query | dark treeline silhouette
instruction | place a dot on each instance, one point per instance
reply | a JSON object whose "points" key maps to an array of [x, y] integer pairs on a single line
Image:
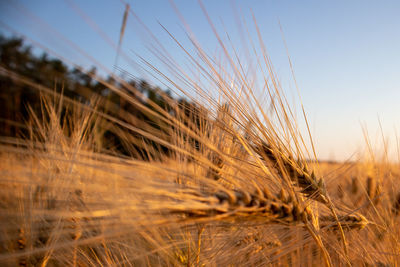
{"points": [[17, 98]]}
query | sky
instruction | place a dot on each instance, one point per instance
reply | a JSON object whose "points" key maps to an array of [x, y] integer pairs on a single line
{"points": [[345, 54]]}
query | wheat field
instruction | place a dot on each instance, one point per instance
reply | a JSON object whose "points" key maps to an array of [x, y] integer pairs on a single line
{"points": [[239, 185]]}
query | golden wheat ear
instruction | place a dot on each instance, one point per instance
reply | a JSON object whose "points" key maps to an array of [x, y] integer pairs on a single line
{"points": [[248, 207], [310, 186], [347, 222]]}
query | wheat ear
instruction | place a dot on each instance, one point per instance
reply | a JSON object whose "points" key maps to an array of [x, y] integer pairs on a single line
{"points": [[311, 186]]}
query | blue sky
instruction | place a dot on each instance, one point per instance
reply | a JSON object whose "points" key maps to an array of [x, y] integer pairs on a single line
{"points": [[345, 54]]}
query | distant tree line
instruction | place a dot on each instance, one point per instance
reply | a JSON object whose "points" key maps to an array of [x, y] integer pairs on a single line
{"points": [[16, 97]]}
